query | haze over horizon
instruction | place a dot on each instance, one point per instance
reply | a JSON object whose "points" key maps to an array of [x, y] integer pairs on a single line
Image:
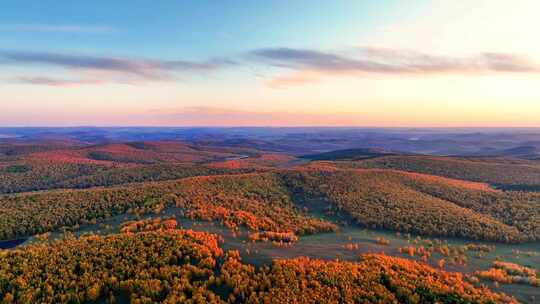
{"points": [[285, 63]]}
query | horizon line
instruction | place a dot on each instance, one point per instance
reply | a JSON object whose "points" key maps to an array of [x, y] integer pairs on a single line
{"points": [[269, 127]]}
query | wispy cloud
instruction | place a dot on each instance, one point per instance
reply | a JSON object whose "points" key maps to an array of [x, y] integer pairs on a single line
{"points": [[119, 69], [141, 67], [55, 82], [301, 66], [56, 28], [313, 64]]}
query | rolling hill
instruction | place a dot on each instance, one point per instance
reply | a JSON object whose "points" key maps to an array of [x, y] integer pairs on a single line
{"points": [[273, 201]]}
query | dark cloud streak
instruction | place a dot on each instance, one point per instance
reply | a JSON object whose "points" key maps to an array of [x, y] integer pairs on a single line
{"points": [[145, 68], [389, 61]]}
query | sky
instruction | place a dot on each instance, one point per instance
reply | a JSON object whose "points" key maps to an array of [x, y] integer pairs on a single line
{"points": [[384, 63]]}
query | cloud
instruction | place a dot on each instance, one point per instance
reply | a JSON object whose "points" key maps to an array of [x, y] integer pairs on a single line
{"points": [[141, 67], [310, 65], [114, 69], [302, 66], [55, 28], [510, 63], [55, 82]]}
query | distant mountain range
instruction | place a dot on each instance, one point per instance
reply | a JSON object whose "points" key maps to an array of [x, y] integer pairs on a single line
{"points": [[521, 143]]}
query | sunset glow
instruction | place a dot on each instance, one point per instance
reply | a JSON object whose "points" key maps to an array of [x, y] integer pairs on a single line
{"points": [[287, 63]]}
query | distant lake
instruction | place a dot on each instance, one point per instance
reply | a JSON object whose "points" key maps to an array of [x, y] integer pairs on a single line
{"points": [[236, 157], [11, 243], [8, 136]]}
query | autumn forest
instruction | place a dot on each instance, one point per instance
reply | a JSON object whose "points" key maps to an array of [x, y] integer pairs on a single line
{"points": [[201, 221]]}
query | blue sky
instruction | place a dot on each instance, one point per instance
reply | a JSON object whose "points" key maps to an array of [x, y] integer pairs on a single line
{"points": [[193, 29], [354, 63]]}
